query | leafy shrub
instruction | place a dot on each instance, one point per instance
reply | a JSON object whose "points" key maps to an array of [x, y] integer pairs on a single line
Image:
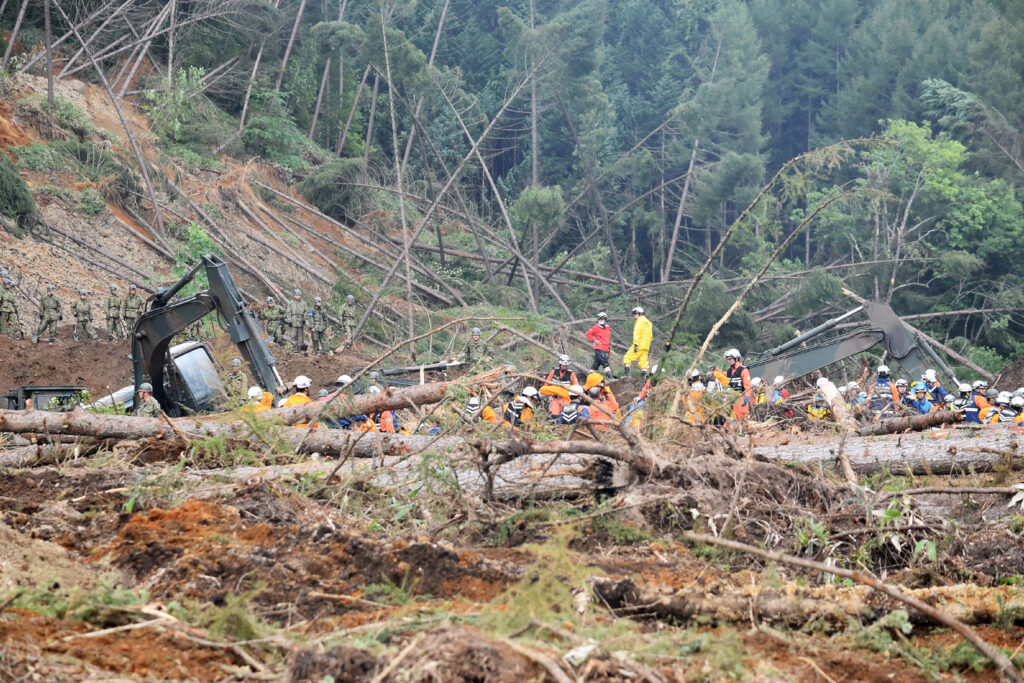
{"points": [[15, 200], [37, 157], [69, 116], [271, 134], [91, 202], [331, 189], [117, 182]]}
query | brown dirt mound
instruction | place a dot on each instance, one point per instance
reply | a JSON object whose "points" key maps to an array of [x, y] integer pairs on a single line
{"points": [[99, 366], [205, 551], [1012, 375]]}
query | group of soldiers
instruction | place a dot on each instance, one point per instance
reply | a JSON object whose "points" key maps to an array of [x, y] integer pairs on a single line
{"points": [[120, 313], [288, 325]]}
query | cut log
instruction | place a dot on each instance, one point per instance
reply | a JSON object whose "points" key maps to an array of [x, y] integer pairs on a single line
{"points": [[915, 423]]}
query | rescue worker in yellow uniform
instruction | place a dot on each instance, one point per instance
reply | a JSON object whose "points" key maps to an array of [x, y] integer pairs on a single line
{"points": [[643, 333]]}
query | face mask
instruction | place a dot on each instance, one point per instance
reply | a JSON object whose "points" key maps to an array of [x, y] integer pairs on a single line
{"points": [[602, 324]]}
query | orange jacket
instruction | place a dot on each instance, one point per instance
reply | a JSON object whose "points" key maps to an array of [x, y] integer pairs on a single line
{"points": [[605, 409]]}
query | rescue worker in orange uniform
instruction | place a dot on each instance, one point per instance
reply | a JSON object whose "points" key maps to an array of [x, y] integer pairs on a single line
{"points": [[739, 380], [604, 406], [560, 377]]}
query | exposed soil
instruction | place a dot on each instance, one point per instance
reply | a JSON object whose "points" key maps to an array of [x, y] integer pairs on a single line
{"points": [[1012, 375]]}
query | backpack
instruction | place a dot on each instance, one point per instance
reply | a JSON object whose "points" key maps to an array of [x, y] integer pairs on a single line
{"points": [[513, 413]]}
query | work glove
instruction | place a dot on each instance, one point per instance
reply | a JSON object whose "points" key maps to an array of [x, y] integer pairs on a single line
{"points": [[635, 349]]}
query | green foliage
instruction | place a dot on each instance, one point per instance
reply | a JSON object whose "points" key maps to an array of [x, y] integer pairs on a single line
{"points": [[176, 106], [271, 134], [15, 199], [37, 157], [817, 291], [96, 606], [90, 202], [64, 113], [332, 188]]}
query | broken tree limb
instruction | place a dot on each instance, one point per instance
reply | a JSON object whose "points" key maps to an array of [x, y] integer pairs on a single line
{"points": [[993, 654], [894, 425]]}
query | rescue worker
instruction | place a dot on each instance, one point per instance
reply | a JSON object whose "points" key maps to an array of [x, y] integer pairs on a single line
{"points": [[49, 315], [9, 310], [301, 394], [235, 381], [936, 392], [475, 352], [1017, 404], [575, 408], [693, 403], [564, 378], [474, 412], [1006, 411], [990, 415], [818, 408], [882, 396], [82, 310], [112, 308], [342, 382], [604, 405], [348, 316], [920, 401], [318, 329], [976, 403], [960, 404], [643, 333], [273, 321], [134, 306], [780, 394], [901, 389], [148, 406], [295, 317], [756, 391], [519, 411], [258, 400], [600, 335], [739, 380]]}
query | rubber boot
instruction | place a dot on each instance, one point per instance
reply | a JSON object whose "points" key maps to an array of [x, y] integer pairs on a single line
{"points": [[625, 371]]}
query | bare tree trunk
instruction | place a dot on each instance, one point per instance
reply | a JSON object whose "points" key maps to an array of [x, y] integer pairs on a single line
{"points": [[170, 45], [369, 124], [157, 218], [110, 17], [291, 44], [14, 33], [157, 23], [401, 192], [670, 256], [352, 110], [320, 98], [912, 423], [49, 51]]}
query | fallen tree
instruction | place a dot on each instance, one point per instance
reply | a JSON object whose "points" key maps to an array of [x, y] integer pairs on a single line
{"points": [[916, 423]]}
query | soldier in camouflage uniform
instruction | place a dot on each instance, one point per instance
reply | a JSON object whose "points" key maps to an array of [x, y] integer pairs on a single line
{"points": [[148, 406], [49, 314], [318, 329], [476, 352], [295, 317], [9, 310], [349, 317], [273, 321], [82, 310], [235, 383], [112, 307], [134, 306]]}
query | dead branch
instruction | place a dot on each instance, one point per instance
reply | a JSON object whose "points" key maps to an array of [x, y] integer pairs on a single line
{"points": [[894, 425]]}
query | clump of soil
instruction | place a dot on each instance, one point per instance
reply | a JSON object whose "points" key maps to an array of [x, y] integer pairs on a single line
{"points": [[1012, 375], [26, 562]]}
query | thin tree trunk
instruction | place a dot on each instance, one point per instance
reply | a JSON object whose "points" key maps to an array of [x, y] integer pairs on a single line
{"points": [[157, 218], [14, 34], [49, 51], [401, 192], [352, 110], [291, 44], [170, 45], [110, 17], [369, 124], [670, 256], [320, 98], [157, 23]]}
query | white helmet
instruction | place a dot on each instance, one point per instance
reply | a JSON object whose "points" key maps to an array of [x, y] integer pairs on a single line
{"points": [[732, 353], [639, 310], [1004, 398], [756, 382], [779, 379], [883, 370], [344, 380], [980, 384], [530, 392], [576, 390], [373, 389], [601, 315], [929, 375], [852, 385], [693, 375], [1017, 402], [254, 392], [822, 381], [564, 360], [964, 388], [302, 382]]}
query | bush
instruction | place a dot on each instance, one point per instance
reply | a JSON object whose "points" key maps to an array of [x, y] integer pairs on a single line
{"points": [[271, 134], [331, 190], [69, 116], [37, 157], [91, 202], [15, 200]]}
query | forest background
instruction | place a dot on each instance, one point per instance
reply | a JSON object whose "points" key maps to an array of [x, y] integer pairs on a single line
{"points": [[561, 157]]}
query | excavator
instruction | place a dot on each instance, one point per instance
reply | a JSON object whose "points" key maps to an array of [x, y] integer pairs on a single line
{"points": [[185, 377], [803, 355]]}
